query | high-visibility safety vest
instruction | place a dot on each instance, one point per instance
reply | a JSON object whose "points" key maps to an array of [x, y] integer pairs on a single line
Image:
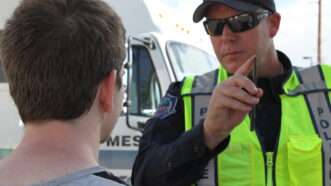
{"points": [[302, 156]]}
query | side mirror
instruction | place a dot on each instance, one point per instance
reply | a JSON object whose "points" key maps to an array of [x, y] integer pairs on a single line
{"points": [[128, 67], [138, 67]]}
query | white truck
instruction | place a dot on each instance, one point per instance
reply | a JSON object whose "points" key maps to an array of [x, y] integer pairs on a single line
{"points": [[154, 60]]}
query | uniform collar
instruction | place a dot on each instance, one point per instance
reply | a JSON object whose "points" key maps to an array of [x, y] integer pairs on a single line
{"points": [[276, 82]]}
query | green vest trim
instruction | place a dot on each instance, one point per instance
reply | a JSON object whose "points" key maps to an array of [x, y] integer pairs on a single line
{"points": [[186, 89], [319, 107], [327, 75]]}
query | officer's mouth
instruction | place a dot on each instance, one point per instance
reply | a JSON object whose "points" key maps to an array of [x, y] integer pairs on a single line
{"points": [[231, 54]]}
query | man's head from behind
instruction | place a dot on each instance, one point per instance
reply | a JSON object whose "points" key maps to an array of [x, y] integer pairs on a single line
{"points": [[56, 53], [239, 28]]}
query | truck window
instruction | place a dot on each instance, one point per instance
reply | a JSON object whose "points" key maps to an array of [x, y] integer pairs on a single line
{"points": [[189, 60], [145, 92]]}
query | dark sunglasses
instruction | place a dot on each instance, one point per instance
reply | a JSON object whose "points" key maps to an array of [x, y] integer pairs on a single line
{"points": [[238, 23]]}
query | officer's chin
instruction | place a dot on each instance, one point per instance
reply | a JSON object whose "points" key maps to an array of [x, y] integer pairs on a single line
{"points": [[231, 67]]}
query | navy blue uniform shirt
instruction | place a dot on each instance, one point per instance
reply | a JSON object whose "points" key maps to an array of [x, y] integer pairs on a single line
{"points": [[169, 156]]}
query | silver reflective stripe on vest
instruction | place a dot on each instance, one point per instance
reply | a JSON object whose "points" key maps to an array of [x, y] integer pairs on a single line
{"points": [[321, 115], [201, 92], [200, 105], [209, 177], [205, 84], [309, 88]]}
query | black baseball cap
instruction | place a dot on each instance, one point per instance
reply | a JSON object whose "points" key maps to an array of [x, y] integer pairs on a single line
{"points": [[241, 5]]}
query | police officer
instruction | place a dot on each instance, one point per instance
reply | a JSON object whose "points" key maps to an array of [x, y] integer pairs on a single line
{"points": [[201, 133]]}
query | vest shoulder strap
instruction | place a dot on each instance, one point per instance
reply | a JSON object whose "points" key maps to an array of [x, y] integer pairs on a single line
{"points": [[204, 84], [312, 80], [314, 88]]}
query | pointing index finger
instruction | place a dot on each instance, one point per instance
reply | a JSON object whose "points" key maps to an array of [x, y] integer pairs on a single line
{"points": [[246, 68]]}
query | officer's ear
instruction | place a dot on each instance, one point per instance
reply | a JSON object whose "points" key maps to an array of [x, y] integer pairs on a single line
{"points": [[274, 24]]}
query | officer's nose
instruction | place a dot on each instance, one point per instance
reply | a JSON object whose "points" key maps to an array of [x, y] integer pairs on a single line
{"points": [[227, 33]]}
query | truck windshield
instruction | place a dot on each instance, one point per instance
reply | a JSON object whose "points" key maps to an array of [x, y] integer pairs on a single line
{"points": [[189, 60]]}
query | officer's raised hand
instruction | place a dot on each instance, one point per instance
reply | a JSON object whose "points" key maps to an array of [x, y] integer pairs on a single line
{"points": [[230, 102]]}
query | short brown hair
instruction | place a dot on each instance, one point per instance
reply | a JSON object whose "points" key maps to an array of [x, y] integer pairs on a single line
{"points": [[55, 54]]}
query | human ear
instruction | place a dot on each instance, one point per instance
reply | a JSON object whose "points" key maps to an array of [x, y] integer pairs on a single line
{"points": [[107, 91], [274, 24]]}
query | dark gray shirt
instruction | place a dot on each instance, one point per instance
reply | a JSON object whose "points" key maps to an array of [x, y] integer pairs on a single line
{"points": [[88, 177]]}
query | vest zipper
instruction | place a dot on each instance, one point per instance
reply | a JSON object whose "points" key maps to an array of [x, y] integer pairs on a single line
{"points": [[275, 151], [269, 158], [268, 161], [270, 164]]}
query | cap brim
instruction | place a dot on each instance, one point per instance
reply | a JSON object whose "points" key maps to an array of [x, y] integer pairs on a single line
{"points": [[200, 11]]}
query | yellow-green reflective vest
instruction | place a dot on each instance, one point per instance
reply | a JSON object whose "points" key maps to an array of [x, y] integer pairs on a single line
{"points": [[298, 160]]}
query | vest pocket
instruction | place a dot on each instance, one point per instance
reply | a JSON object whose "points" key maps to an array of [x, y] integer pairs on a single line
{"points": [[237, 166], [305, 160]]}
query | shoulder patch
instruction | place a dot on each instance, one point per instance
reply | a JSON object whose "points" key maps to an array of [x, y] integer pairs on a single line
{"points": [[166, 107]]}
